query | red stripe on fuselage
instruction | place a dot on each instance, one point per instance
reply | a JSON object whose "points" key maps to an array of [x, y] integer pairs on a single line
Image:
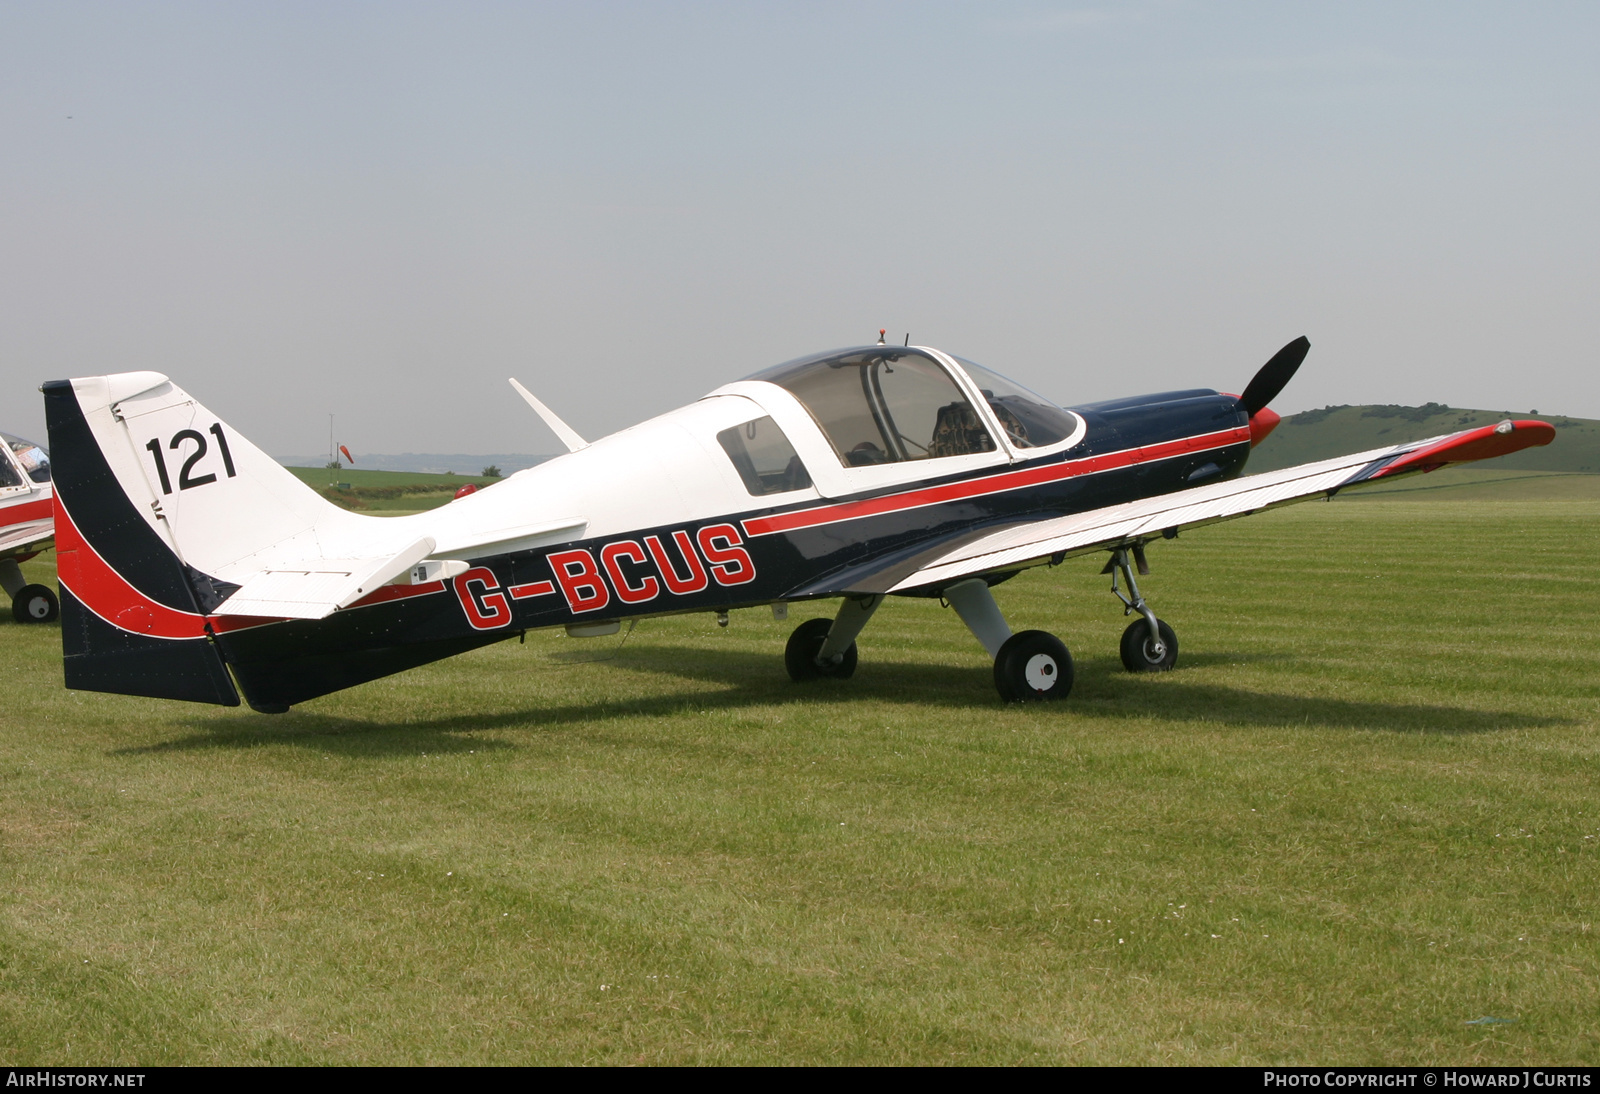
{"points": [[37, 509], [223, 624], [385, 593], [992, 484]]}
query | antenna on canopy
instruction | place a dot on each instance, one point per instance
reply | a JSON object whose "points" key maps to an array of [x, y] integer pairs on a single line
{"points": [[908, 339], [881, 333]]}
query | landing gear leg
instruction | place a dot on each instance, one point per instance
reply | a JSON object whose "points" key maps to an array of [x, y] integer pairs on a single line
{"points": [[1148, 645], [819, 648], [1028, 665]]}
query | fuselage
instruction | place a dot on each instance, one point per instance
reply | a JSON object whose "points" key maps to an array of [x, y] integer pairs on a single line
{"points": [[671, 527], [831, 475]]}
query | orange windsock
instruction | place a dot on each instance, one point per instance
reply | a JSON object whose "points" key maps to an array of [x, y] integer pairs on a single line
{"points": [[347, 455]]}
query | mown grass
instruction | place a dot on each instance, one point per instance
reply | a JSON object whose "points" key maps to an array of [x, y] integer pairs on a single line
{"points": [[1361, 816], [360, 479], [386, 493]]}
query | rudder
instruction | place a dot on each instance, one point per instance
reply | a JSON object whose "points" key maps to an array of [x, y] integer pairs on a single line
{"points": [[131, 611]]}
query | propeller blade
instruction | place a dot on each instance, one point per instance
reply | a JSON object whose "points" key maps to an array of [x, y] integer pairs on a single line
{"points": [[1275, 375]]}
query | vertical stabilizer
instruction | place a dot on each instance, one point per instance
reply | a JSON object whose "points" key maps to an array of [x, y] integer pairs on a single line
{"points": [[131, 611]]}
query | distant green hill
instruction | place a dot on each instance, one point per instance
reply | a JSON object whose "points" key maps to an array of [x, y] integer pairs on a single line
{"points": [[1339, 430]]}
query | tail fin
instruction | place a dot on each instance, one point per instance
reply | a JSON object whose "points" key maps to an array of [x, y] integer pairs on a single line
{"points": [[132, 617], [162, 511]]}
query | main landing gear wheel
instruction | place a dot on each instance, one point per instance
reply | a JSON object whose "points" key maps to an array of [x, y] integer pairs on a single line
{"points": [[1033, 665], [35, 604], [800, 655], [1139, 653]]}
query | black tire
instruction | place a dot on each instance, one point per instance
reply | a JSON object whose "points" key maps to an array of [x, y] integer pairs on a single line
{"points": [[800, 655], [35, 604], [1138, 653], [1033, 665]]}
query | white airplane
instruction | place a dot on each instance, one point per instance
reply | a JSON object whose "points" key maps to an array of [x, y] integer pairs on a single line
{"points": [[194, 567], [26, 526]]}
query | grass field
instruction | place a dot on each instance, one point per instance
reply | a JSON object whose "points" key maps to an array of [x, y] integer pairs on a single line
{"points": [[1457, 484], [386, 493], [1361, 817]]}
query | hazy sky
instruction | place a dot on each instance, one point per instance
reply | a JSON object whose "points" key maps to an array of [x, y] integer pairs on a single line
{"points": [[382, 210]]}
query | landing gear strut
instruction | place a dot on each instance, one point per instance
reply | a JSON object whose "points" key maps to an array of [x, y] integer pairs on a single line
{"points": [[1148, 645], [1029, 665]]}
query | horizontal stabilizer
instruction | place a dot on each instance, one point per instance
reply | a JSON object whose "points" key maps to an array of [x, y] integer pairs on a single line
{"points": [[316, 588]]}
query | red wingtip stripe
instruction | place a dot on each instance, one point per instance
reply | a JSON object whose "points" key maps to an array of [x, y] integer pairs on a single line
{"points": [[1482, 443]]}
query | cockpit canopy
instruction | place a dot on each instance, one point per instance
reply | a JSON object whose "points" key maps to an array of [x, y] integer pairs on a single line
{"points": [[1030, 420], [883, 405], [888, 404], [33, 461]]}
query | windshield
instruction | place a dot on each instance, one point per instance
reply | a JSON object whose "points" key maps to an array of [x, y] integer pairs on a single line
{"points": [[1030, 420], [883, 405], [35, 461]]}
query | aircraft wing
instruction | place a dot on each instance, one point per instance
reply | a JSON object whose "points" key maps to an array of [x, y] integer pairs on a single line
{"points": [[1019, 546], [31, 535]]}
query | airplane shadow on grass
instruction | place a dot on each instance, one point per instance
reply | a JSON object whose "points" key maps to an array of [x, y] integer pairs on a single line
{"points": [[1102, 690]]}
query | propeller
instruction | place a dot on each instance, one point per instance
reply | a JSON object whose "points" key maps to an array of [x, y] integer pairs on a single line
{"points": [[1275, 375]]}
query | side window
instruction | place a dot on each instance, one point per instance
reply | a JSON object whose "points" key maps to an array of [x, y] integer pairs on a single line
{"points": [[764, 458], [35, 461], [884, 406], [9, 478]]}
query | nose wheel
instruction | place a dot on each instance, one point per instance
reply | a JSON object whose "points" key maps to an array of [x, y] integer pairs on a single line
{"points": [[1141, 653], [1148, 645]]}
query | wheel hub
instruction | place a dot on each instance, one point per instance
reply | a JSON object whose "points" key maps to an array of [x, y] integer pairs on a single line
{"points": [[1040, 672]]}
